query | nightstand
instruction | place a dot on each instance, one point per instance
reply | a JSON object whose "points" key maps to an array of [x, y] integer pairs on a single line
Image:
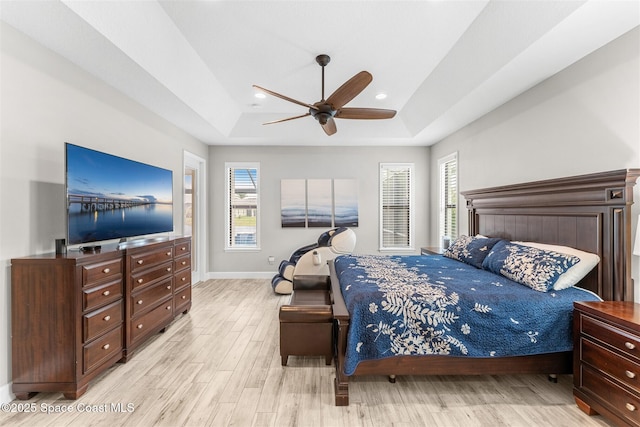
{"points": [[431, 250], [606, 360]]}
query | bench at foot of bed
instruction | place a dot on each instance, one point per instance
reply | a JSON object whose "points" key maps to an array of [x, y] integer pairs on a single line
{"points": [[306, 323]]}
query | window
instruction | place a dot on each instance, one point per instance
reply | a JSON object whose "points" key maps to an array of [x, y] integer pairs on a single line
{"points": [[448, 196], [243, 205], [396, 206]]}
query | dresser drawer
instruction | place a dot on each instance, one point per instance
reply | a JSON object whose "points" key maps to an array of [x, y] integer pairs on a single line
{"points": [[182, 263], [143, 278], [183, 248], [100, 295], [183, 278], [104, 348], [625, 342], [624, 370], [94, 274], [98, 321], [149, 297], [617, 399], [149, 322], [140, 261], [182, 298]]}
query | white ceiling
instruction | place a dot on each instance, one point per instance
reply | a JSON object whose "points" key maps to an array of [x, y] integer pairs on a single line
{"points": [[442, 63]]}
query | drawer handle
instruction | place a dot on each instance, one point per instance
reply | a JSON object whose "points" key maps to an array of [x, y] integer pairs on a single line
{"points": [[140, 302], [630, 407], [140, 280], [168, 268], [139, 326], [169, 253], [106, 318], [140, 261], [168, 307], [106, 347], [106, 270], [169, 287], [183, 279], [630, 374], [106, 293], [630, 345], [184, 262], [184, 248], [184, 297]]}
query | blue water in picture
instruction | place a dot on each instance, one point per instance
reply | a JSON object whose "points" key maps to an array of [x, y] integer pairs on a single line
{"points": [[293, 216], [117, 223]]}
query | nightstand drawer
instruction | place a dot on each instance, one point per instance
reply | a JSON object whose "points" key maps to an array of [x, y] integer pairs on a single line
{"points": [[624, 370], [617, 338], [617, 399]]}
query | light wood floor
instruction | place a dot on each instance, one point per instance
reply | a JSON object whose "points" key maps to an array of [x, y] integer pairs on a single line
{"points": [[220, 365]]}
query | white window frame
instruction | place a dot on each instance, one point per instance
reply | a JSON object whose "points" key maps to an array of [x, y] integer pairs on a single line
{"points": [[410, 241], [228, 246], [442, 185]]}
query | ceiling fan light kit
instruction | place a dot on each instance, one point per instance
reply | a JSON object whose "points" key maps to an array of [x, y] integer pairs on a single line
{"points": [[324, 111]]}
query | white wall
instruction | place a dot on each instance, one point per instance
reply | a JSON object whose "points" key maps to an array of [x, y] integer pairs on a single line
{"points": [[47, 101], [583, 120], [277, 163]]}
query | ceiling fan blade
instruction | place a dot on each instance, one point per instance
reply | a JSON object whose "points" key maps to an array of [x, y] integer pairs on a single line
{"points": [[364, 113], [286, 98], [330, 127], [287, 119], [349, 90]]}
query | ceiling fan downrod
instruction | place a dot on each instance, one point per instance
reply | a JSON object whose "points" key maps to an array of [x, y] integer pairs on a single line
{"points": [[323, 60]]}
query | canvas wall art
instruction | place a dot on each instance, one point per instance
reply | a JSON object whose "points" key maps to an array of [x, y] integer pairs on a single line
{"points": [[319, 203]]}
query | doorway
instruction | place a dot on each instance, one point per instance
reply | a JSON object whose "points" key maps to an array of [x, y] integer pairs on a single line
{"points": [[193, 221]]}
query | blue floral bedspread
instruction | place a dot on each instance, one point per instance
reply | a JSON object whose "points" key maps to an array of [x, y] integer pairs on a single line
{"points": [[421, 305]]}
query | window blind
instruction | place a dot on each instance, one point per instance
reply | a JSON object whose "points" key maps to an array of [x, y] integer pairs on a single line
{"points": [[396, 206], [449, 196], [242, 198]]}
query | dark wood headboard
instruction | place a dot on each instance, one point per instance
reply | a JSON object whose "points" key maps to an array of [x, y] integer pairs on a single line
{"points": [[588, 212]]}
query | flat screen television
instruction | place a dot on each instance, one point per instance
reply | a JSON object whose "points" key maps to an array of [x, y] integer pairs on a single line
{"points": [[110, 197]]}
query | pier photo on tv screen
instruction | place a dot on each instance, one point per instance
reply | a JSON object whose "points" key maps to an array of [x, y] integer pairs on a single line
{"points": [[110, 197]]}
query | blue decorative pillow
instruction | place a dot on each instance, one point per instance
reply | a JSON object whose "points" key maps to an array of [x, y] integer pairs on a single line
{"points": [[536, 268], [471, 250]]}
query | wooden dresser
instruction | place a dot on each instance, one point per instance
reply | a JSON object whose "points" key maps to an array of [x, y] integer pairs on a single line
{"points": [[75, 315], [607, 360]]}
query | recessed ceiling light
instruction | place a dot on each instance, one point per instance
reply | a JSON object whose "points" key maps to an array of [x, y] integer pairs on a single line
{"points": [[381, 96], [260, 95]]}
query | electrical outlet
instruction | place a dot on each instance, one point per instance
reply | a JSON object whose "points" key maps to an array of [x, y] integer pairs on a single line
{"points": [[272, 259]]}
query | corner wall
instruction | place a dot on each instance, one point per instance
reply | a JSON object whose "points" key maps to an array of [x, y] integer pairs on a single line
{"points": [[585, 119], [47, 101]]}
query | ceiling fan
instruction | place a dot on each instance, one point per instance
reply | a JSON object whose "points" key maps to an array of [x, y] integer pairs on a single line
{"points": [[325, 110]]}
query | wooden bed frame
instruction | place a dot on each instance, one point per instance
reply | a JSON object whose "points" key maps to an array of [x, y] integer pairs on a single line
{"points": [[588, 212]]}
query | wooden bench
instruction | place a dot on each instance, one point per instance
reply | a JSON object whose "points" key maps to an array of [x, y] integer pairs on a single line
{"points": [[306, 323]]}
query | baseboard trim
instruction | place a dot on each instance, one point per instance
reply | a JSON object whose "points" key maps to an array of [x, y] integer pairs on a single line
{"points": [[5, 393], [240, 275]]}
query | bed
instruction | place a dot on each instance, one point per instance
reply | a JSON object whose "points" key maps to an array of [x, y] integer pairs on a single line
{"points": [[588, 212]]}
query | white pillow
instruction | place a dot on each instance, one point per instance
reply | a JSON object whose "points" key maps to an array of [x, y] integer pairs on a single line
{"points": [[574, 274]]}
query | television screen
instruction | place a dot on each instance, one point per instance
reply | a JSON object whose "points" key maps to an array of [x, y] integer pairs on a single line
{"points": [[109, 197]]}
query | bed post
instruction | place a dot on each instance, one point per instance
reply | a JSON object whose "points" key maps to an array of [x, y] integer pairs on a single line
{"points": [[341, 325]]}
